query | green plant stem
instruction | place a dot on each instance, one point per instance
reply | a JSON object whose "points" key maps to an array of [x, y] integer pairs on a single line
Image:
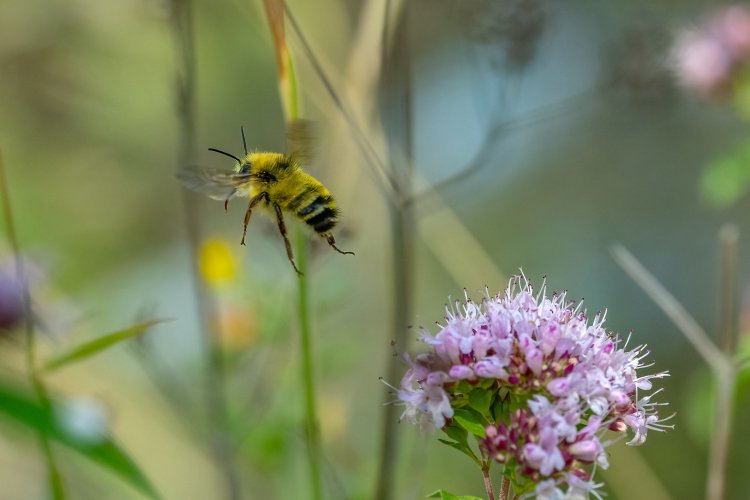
{"points": [[723, 409], [729, 298], [402, 231], [312, 434], [689, 327], [291, 106], [312, 428], [399, 132], [725, 376], [402, 260], [53, 472], [215, 385]]}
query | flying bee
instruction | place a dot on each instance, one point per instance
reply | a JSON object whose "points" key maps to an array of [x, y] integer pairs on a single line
{"points": [[275, 181]]}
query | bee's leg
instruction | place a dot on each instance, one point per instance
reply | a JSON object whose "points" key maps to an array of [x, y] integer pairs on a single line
{"points": [[253, 201], [332, 242], [282, 230], [229, 197]]}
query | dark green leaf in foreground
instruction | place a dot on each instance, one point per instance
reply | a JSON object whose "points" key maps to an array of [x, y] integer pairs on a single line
{"points": [[98, 345], [500, 409], [444, 495], [460, 443], [456, 432], [22, 409], [470, 420], [481, 400], [463, 448]]}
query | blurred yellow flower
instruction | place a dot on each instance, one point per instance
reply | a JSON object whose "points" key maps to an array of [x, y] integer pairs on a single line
{"points": [[217, 261]]}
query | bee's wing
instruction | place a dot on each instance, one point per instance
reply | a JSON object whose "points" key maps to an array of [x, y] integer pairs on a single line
{"points": [[300, 136], [217, 184]]}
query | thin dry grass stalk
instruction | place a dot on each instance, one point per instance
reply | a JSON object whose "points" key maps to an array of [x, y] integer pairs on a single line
{"points": [[722, 364]]}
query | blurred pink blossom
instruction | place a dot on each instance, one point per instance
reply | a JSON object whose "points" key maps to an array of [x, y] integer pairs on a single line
{"points": [[708, 57], [703, 64], [732, 27]]}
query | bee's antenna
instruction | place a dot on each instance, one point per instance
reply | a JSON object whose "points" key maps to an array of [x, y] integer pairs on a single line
{"points": [[225, 153], [244, 143]]}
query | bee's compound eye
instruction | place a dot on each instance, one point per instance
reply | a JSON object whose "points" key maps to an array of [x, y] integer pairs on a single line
{"points": [[245, 168], [266, 176]]}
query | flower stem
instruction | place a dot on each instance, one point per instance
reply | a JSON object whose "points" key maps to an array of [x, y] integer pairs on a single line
{"points": [[488, 481], [689, 327], [504, 489], [729, 298], [308, 375], [215, 375], [398, 129], [725, 385], [726, 374], [290, 102], [53, 473]]}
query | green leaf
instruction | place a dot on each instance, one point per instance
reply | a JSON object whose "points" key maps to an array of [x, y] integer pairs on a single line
{"points": [[470, 420], [463, 448], [517, 402], [463, 387], [457, 433], [480, 400], [450, 496], [98, 345], [500, 409], [24, 410], [727, 178]]}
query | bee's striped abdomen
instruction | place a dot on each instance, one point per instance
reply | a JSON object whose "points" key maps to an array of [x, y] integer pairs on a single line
{"points": [[323, 220], [315, 206], [302, 199]]}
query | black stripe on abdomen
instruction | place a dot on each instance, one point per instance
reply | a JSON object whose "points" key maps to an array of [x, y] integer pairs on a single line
{"points": [[324, 220], [317, 202], [301, 198]]}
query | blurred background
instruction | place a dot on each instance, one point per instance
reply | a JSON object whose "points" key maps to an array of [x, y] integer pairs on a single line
{"points": [[517, 133]]}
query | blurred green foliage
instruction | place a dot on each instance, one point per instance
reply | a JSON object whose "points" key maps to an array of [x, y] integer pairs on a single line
{"points": [[727, 178], [24, 410]]}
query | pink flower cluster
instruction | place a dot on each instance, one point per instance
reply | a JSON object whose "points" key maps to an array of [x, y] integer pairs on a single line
{"points": [[708, 57], [570, 382]]}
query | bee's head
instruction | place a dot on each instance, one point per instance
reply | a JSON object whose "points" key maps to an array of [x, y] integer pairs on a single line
{"points": [[264, 166]]}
